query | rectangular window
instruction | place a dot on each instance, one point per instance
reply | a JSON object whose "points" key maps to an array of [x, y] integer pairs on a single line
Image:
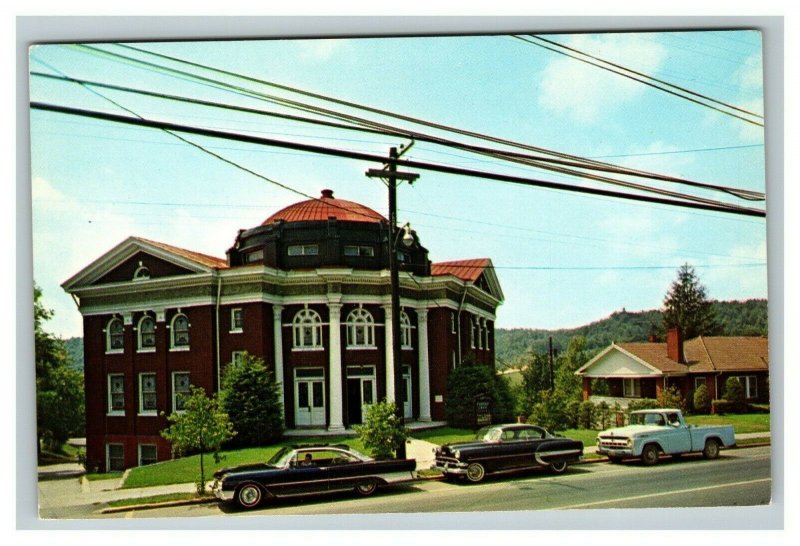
{"points": [[750, 384], [452, 322], [147, 394], [698, 382], [180, 389], [303, 250], [148, 454], [631, 388], [359, 250], [115, 457], [116, 394], [236, 320], [237, 356]]}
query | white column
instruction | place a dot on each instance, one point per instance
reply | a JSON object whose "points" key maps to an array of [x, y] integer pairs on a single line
{"points": [[389, 353], [335, 365], [424, 366], [277, 335]]}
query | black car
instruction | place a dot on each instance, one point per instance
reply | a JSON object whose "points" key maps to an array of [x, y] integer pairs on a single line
{"points": [[503, 448], [309, 470]]}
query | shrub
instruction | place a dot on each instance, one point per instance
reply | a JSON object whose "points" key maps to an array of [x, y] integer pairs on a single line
{"points": [[550, 412], [586, 415], [604, 414], [734, 393], [382, 432], [469, 381], [702, 402], [671, 398], [600, 387], [642, 403]]}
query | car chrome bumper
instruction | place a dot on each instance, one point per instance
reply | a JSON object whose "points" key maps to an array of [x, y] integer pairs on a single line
{"points": [[615, 451], [226, 496], [451, 468]]}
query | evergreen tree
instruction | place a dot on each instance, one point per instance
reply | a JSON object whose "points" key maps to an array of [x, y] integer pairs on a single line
{"points": [[569, 362], [686, 305], [252, 401]]}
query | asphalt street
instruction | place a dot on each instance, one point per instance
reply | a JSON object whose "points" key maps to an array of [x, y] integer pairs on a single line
{"points": [[738, 478]]}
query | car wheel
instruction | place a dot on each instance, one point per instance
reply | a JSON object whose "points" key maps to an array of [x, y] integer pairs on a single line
{"points": [[366, 488], [650, 454], [711, 450], [476, 472], [249, 495], [558, 467]]}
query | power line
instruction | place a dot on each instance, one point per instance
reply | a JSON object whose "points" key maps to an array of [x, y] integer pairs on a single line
{"points": [[640, 77], [719, 207], [559, 165]]}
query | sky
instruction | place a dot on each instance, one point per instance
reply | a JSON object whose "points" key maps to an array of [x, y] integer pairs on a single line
{"points": [[563, 259]]}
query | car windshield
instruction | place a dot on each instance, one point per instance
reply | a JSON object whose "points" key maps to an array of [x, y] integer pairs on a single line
{"points": [[281, 457], [647, 419], [488, 434]]}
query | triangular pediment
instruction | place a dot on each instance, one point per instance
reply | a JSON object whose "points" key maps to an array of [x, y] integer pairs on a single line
{"points": [[137, 259], [616, 362]]}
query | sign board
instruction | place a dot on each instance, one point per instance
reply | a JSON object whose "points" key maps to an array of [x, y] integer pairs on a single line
{"points": [[483, 410]]}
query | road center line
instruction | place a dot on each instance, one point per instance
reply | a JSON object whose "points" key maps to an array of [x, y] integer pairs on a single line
{"points": [[664, 494]]}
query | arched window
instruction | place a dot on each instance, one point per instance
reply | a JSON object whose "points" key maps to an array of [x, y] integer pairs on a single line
{"points": [[179, 332], [115, 336], [360, 328], [146, 334], [405, 331], [307, 330]]}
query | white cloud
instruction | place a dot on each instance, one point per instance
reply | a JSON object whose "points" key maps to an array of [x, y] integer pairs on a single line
{"points": [[584, 92]]}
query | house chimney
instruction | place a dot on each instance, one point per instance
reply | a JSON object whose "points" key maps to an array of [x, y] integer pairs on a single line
{"points": [[675, 345]]}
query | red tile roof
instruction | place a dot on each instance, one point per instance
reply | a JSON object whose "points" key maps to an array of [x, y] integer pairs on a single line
{"points": [[714, 353], [654, 354], [467, 270], [323, 208], [707, 354], [203, 259]]}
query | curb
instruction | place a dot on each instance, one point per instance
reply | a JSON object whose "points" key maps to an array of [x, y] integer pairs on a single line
{"points": [[152, 505]]}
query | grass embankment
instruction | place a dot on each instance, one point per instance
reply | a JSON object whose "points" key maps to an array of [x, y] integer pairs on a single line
{"points": [[187, 469], [153, 500]]}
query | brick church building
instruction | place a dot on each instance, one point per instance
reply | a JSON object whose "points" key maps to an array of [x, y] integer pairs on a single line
{"points": [[308, 291]]}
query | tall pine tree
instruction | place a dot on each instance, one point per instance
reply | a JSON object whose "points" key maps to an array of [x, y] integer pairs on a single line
{"points": [[686, 305]]}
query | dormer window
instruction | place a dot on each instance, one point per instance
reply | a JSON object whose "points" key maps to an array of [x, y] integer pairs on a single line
{"points": [[142, 273]]}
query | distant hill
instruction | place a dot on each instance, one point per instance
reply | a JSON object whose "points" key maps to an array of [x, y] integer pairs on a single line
{"points": [[735, 318], [74, 347]]}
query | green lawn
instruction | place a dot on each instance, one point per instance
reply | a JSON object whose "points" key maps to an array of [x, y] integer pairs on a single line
{"points": [[744, 423], [187, 469]]}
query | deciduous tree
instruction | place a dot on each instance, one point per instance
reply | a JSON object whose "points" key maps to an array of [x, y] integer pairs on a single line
{"points": [[201, 426], [59, 387]]}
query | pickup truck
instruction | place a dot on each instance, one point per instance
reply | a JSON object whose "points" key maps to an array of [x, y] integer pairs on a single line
{"points": [[653, 432]]}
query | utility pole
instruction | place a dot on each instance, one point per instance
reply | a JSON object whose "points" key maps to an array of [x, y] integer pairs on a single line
{"points": [[391, 176]]}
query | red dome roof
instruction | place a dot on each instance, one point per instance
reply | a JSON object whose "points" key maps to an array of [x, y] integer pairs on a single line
{"points": [[323, 208]]}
